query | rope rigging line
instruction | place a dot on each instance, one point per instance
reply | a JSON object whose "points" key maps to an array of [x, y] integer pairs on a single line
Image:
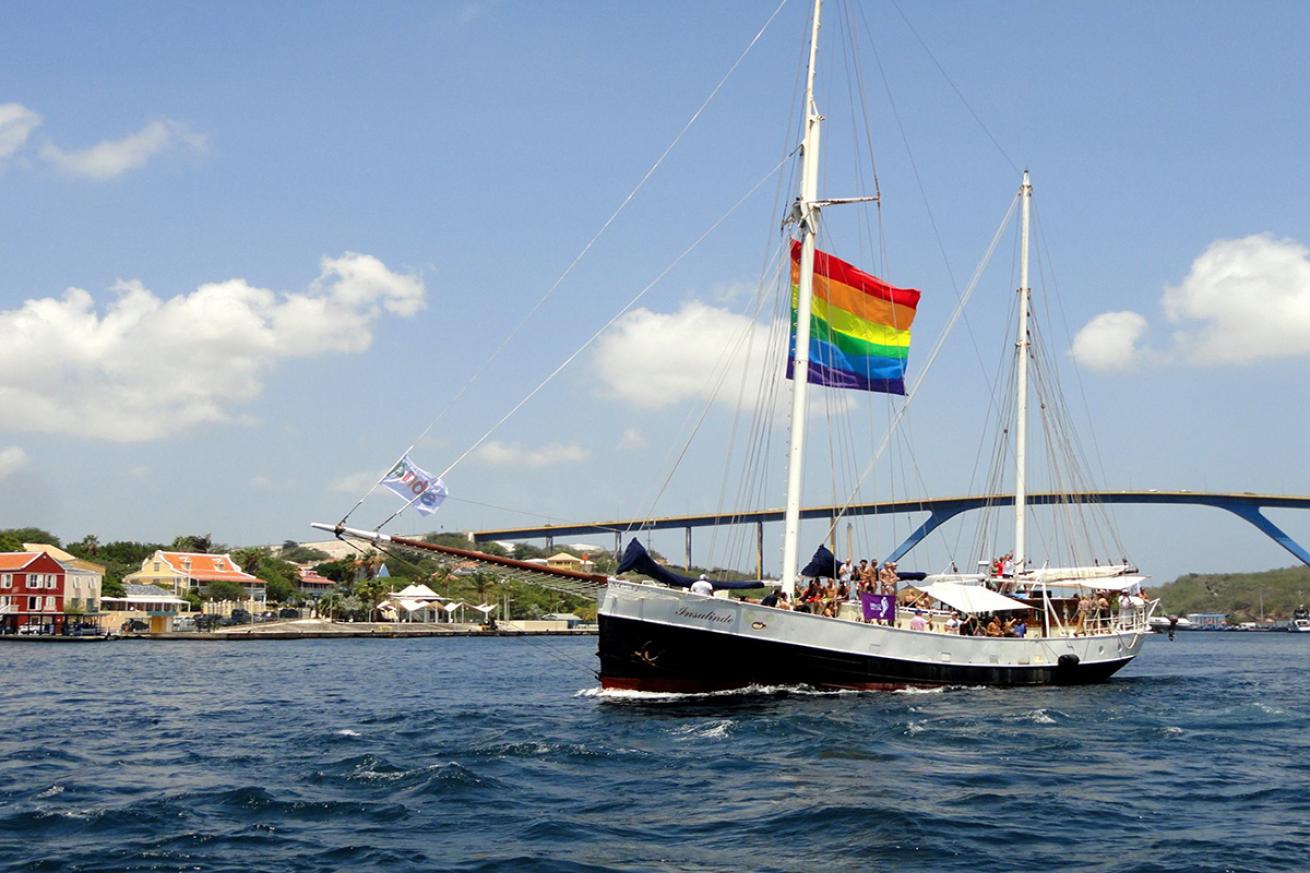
{"points": [[956, 314], [695, 116], [596, 335]]}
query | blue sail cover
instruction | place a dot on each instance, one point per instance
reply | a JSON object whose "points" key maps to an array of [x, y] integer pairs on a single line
{"points": [[822, 566], [637, 559]]}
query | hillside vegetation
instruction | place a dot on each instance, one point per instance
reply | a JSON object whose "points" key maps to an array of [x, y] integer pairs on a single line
{"points": [[1238, 595]]}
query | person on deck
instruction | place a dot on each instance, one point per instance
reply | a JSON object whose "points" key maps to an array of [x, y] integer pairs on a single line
{"points": [[994, 627], [953, 623], [702, 586], [1020, 628], [771, 599], [917, 623], [868, 573]]}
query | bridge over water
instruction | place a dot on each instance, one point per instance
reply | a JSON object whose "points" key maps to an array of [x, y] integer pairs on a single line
{"points": [[1244, 505]]}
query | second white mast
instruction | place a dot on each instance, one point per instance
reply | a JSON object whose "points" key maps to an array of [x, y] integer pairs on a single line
{"points": [[807, 215], [1021, 380]]}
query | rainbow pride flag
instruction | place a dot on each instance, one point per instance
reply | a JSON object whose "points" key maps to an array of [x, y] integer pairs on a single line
{"points": [[859, 326]]}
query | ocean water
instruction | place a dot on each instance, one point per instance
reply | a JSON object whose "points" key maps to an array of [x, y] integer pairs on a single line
{"points": [[499, 754]]}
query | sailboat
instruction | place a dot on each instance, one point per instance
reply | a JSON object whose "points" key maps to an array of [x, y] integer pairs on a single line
{"points": [[1082, 624]]}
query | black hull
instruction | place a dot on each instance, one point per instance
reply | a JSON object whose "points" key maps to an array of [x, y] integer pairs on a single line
{"points": [[647, 656]]}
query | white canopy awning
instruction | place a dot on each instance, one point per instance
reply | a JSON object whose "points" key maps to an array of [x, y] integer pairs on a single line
{"points": [[451, 607], [419, 592], [486, 609], [971, 598]]}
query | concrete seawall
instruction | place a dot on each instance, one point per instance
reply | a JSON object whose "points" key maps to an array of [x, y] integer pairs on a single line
{"points": [[311, 629]]}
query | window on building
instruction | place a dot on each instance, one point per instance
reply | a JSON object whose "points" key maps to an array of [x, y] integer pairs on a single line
{"points": [[34, 604], [49, 604], [6, 580], [156, 566]]}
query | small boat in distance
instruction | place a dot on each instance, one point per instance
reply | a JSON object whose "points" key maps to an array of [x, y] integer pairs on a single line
{"points": [[1300, 620]]}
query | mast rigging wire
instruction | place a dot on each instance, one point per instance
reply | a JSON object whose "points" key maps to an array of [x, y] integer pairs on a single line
{"points": [[695, 116]]}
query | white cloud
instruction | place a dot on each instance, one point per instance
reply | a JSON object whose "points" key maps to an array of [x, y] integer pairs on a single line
{"points": [[515, 455], [1109, 341], [16, 124], [12, 459], [1243, 300], [652, 360], [355, 483], [114, 157], [632, 439], [150, 367]]}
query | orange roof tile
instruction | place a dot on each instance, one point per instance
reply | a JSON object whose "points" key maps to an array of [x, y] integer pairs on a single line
{"points": [[207, 568], [16, 560]]}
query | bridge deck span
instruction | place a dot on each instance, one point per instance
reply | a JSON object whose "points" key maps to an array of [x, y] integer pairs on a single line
{"points": [[1244, 504]]}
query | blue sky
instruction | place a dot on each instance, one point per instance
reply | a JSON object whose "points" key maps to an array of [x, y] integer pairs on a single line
{"points": [[298, 231]]}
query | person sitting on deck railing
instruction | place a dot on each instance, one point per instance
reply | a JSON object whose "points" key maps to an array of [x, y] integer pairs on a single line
{"points": [[808, 600]]}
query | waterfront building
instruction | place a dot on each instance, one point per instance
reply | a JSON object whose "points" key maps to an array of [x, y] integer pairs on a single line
{"points": [[181, 572], [150, 603], [565, 561], [83, 579], [31, 593], [311, 584], [1207, 620]]}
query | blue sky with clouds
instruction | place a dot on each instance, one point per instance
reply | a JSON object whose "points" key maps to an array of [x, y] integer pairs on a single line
{"points": [[249, 252]]}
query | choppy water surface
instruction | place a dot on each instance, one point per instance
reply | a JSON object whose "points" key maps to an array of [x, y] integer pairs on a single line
{"points": [[484, 754]]}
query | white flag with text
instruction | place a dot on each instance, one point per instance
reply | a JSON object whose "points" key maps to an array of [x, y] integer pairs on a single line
{"points": [[416, 485]]}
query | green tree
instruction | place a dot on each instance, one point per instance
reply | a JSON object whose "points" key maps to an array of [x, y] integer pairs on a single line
{"points": [[199, 543], [280, 590], [371, 592], [296, 553], [225, 589], [329, 604], [12, 539]]}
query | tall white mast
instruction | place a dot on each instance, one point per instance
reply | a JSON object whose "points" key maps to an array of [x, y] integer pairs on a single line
{"points": [[1021, 405], [807, 215]]}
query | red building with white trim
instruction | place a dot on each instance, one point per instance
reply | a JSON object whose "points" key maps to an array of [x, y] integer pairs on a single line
{"points": [[31, 593]]}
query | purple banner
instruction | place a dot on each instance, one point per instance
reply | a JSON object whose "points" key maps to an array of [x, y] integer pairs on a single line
{"points": [[879, 607]]}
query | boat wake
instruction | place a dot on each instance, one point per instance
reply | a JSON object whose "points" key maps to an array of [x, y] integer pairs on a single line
{"points": [[625, 695]]}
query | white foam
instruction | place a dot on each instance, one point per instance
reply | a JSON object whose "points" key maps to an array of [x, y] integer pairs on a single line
{"points": [[628, 694], [346, 732]]}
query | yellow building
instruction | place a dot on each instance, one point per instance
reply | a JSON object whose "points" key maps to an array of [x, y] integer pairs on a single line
{"points": [[181, 572]]}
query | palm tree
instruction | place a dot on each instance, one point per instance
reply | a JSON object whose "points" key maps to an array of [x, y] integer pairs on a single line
{"points": [[329, 603], [372, 592], [90, 544]]}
